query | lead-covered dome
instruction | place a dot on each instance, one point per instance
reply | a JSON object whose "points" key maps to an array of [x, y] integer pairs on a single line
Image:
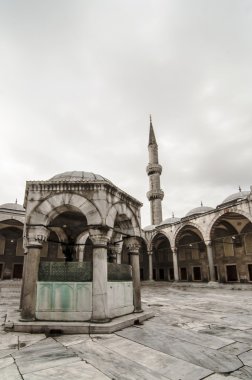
{"points": [[236, 196], [79, 176], [12, 207], [199, 210], [151, 227]]}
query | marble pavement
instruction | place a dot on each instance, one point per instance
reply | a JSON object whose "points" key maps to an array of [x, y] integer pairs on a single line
{"points": [[197, 333]]}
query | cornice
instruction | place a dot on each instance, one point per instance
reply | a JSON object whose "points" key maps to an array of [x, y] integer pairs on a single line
{"points": [[79, 187]]}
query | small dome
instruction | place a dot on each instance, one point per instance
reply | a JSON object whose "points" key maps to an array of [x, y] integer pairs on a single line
{"points": [[78, 176], [199, 210], [149, 228], [12, 206], [169, 221], [236, 196]]}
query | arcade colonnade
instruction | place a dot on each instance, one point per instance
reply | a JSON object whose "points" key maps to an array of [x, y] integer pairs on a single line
{"points": [[211, 246]]}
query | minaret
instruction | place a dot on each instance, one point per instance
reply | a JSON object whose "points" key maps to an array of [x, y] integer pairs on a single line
{"points": [[155, 195]]}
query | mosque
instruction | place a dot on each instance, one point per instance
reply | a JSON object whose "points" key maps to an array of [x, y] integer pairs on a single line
{"points": [[61, 217]]}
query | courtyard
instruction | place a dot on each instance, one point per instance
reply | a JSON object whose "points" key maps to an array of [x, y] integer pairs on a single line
{"points": [[198, 332]]}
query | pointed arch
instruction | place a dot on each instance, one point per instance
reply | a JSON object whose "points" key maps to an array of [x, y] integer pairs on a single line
{"points": [[222, 214], [51, 207], [182, 228], [121, 209]]}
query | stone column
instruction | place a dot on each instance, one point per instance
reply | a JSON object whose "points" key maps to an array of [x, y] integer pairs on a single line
{"points": [[133, 247], [210, 261], [81, 253], [118, 248], [23, 275], [100, 312], [175, 263], [29, 288], [150, 261], [113, 254]]}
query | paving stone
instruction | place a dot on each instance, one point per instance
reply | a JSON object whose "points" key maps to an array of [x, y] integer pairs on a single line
{"points": [[236, 348], [234, 334], [188, 336], [246, 358], [217, 376], [4, 362], [244, 373], [113, 365], [44, 354], [10, 373], [204, 357], [166, 365], [78, 371], [4, 353], [68, 340]]}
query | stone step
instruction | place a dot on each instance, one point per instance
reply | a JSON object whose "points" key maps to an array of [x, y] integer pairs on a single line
{"points": [[10, 296]]}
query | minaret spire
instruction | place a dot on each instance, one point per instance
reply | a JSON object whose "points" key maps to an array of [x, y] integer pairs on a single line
{"points": [[152, 138], [154, 170]]}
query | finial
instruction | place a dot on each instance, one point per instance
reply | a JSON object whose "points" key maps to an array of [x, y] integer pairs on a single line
{"points": [[16, 201], [240, 188], [150, 119], [201, 203], [172, 214]]}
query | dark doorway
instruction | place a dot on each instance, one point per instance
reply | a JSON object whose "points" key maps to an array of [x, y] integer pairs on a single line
{"points": [[183, 274], [196, 273], [216, 273], [1, 270], [154, 274], [250, 271], [231, 273], [17, 271], [141, 274], [161, 274], [171, 274]]}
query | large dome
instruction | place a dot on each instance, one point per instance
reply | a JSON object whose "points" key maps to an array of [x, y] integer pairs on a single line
{"points": [[236, 196], [149, 228], [12, 207], [199, 210], [78, 176]]}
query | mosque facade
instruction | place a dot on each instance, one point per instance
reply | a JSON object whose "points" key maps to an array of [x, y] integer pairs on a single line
{"points": [[62, 214]]}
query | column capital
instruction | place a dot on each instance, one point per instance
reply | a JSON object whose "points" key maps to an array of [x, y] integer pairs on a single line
{"points": [[133, 245], [209, 243], [36, 236], [100, 236]]}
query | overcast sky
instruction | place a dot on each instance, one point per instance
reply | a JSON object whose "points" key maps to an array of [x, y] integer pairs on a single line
{"points": [[79, 78]]}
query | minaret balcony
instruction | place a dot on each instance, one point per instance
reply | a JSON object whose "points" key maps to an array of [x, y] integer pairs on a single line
{"points": [[154, 169], [155, 194]]}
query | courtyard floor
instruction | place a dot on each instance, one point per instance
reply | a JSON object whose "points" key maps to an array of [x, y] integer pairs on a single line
{"points": [[197, 333]]}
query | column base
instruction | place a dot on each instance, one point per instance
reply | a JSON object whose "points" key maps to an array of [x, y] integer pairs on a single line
{"points": [[138, 311], [105, 320], [27, 319]]}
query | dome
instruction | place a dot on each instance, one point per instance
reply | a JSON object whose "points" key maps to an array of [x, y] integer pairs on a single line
{"points": [[169, 221], [199, 210], [236, 196], [12, 206], [149, 228], [78, 176]]}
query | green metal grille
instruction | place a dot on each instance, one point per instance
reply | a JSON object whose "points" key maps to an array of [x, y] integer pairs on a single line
{"points": [[65, 272], [119, 272], [80, 272]]}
